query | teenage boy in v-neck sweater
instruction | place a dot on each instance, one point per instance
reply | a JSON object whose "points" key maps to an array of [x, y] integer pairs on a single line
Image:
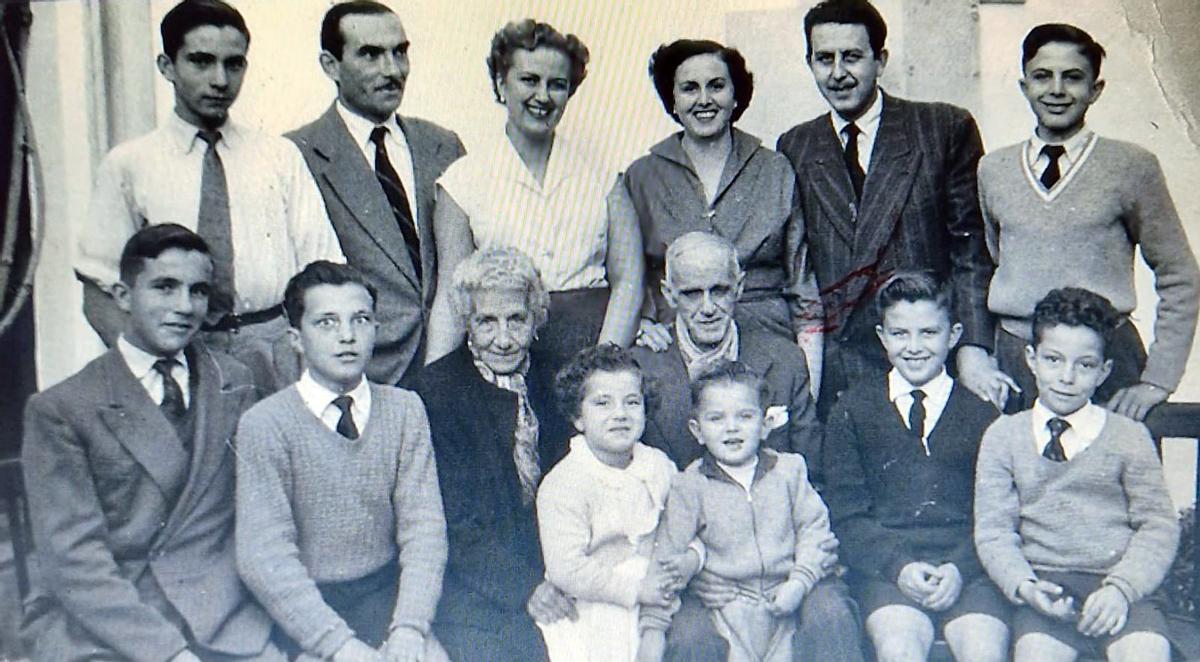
{"points": [[1069, 208]]}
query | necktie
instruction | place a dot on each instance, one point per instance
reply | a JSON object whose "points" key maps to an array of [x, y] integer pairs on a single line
{"points": [[172, 402], [857, 176], [345, 424], [916, 413], [1052, 174], [397, 197], [1054, 450], [213, 224]]}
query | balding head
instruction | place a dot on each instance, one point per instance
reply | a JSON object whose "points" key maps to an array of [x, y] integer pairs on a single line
{"points": [[703, 282]]}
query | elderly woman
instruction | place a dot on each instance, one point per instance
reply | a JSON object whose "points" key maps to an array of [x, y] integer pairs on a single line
{"points": [[495, 433], [714, 178], [533, 190]]}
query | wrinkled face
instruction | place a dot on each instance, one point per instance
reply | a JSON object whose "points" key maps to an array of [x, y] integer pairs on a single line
{"points": [[536, 90], [373, 68], [167, 301], [612, 415], [917, 337], [500, 329], [207, 73], [729, 423], [703, 96], [1060, 86], [336, 334], [703, 290], [845, 67], [1068, 364]]}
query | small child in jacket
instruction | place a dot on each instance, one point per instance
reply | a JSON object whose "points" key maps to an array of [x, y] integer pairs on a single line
{"points": [[1072, 516], [765, 533], [599, 507]]}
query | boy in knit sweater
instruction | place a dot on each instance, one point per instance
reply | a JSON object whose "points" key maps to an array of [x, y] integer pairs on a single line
{"points": [[1068, 208], [340, 529], [900, 475], [1072, 517]]}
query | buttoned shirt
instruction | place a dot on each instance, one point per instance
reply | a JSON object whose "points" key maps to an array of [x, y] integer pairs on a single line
{"points": [[398, 152], [1075, 147], [937, 394], [1086, 424], [868, 127], [141, 364], [277, 217], [319, 400]]}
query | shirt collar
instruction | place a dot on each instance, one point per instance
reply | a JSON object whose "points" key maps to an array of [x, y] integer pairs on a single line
{"points": [[937, 388], [183, 135], [1075, 145], [360, 127], [1086, 421], [140, 361], [711, 469], [640, 467], [317, 398], [868, 123]]}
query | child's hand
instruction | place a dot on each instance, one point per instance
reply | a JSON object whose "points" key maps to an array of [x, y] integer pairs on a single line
{"points": [[787, 598], [547, 604], [918, 581], [652, 646], [680, 568], [949, 586], [1104, 612], [829, 558], [1047, 598], [713, 591], [655, 589]]}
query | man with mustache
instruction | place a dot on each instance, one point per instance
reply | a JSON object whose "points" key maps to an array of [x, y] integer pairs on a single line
{"points": [[246, 193], [885, 185], [376, 171]]}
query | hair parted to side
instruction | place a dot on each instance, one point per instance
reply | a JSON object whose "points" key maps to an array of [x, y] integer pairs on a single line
{"points": [[498, 268], [1075, 306], [696, 242], [667, 58], [1062, 33], [729, 372], [849, 12], [321, 272], [333, 40], [914, 286], [529, 35], [191, 14], [570, 384], [152, 241]]}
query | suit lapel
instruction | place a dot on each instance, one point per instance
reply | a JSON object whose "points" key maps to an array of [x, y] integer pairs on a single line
{"points": [[676, 405], [831, 182], [893, 166], [424, 152]]}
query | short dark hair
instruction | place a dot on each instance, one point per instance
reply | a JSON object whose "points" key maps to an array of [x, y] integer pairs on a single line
{"points": [[191, 14], [850, 12], [1062, 33], [1075, 306], [729, 372], [668, 57], [529, 35], [914, 286], [571, 381], [332, 37], [321, 272], [152, 241]]}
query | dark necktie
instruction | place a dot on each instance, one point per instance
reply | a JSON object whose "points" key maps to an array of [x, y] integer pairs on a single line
{"points": [[397, 197], [172, 402], [1052, 174], [213, 224], [345, 424], [916, 413], [1054, 450], [857, 176]]}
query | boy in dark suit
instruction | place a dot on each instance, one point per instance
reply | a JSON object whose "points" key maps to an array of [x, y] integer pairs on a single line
{"points": [[900, 465], [129, 471]]}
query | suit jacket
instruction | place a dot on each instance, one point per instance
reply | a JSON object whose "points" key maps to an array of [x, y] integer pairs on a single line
{"points": [[122, 567], [369, 234], [919, 211], [782, 366]]}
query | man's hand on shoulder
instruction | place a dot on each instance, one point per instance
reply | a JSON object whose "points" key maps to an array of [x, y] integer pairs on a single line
{"points": [[1136, 401], [980, 373]]}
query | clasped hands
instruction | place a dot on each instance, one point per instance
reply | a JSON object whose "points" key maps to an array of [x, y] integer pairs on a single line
{"points": [[1104, 612]]}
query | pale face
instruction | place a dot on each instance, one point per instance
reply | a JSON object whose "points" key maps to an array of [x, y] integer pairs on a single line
{"points": [[1068, 365], [207, 74], [1060, 86], [703, 96], [536, 90], [374, 67], [703, 290], [917, 337], [167, 301], [612, 415], [845, 67], [336, 334], [500, 329], [729, 423]]}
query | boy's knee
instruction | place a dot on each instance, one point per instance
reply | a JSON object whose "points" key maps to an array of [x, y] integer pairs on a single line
{"points": [[978, 638], [900, 634], [1139, 647], [1041, 647]]}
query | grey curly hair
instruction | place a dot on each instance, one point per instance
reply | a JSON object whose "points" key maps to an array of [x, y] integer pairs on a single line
{"points": [[498, 268]]}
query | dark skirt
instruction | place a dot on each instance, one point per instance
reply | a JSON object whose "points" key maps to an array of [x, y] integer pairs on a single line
{"points": [[574, 322]]}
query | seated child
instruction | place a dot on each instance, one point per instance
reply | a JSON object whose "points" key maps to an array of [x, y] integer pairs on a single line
{"points": [[765, 534], [339, 525], [900, 471], [599, 507], [1072, 517]]}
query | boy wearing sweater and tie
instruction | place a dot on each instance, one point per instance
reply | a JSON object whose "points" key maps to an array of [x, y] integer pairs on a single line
{"points": [[1072, 517], [340, 528], [1068, 208]]}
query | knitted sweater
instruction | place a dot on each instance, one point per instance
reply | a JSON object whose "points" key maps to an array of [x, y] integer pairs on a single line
{"points": [[315, 507], [1083, 233], [1105, 512]]}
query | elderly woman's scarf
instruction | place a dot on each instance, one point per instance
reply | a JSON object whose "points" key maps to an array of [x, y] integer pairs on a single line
{"points": [[525, 438], [699, 361]]}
